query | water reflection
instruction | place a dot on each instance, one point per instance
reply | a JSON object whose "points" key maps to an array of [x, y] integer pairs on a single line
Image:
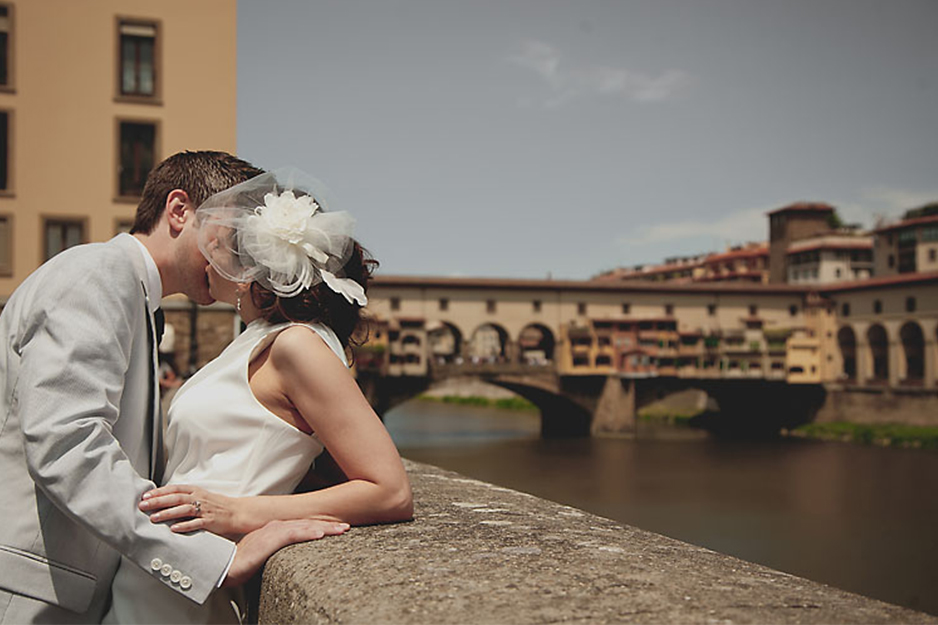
{"points": [[858, 518]]}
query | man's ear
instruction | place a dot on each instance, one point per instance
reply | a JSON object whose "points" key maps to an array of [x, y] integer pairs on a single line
{"points": [[178, 210]]}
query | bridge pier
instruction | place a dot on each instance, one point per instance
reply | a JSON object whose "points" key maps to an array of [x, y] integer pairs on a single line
{"points": [[615, 409]]}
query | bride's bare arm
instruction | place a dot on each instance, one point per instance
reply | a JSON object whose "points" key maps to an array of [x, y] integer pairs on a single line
{"points": [[328, 399]]}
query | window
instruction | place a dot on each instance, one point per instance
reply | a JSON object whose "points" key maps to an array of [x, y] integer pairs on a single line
{"points": [[626, 308], [910, 304], [932, 254], [669, 309], [123, 225], [837, 273], [581, 308], [6, 45], [395, 303], [444, 303], [536, 305], [930, 233], [753, 310], [137, 156], [137, 73], [877, 306], [892, 261], [6, 245], [793, 310], [5, 150], [490, 306], [62, 234], [712, 310], [845, 309]]}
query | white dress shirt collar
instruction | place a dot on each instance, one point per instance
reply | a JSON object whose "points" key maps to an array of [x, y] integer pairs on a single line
{"points": [[154, 282]]}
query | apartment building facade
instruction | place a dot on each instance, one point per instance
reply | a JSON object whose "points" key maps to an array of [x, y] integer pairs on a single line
{"points": [[92, 96], [908, 245]]}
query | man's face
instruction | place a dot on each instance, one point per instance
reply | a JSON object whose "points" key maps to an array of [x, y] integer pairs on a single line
{"points": [[192, 264]]}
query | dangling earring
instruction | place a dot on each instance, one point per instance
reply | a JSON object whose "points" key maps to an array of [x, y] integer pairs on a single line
{"points": [[238, 303]]}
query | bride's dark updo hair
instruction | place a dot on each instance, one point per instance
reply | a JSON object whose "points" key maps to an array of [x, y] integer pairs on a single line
{"points": [[320, 304]]}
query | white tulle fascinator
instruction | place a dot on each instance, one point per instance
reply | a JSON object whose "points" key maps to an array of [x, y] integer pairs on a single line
{"points": [[274, 229]]}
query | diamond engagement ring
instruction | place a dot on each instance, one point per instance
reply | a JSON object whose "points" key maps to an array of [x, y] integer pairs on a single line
{"points": [[198, 507]]}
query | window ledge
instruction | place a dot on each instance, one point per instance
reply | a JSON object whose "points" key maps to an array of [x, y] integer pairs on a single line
{"points": [[7, 89], [7, 194], [138, 99]]}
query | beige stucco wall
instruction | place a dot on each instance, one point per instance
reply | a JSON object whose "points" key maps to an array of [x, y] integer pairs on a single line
{"points": [[64, 114]]}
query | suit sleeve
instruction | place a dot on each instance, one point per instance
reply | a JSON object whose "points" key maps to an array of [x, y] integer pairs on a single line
{"points": [[75, 353]]}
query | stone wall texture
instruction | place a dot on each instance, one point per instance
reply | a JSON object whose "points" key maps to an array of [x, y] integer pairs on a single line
{"points": [[479, 553]]}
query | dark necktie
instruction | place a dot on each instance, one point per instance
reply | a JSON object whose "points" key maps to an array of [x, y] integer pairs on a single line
{"points": [[160, 319]]}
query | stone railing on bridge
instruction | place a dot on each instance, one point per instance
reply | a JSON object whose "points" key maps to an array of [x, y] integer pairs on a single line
{"points": [[478, 553], [488, 369]]}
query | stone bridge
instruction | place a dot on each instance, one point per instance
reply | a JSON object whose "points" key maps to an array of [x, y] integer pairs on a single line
{"points": [[583, 405], [590, 354]]}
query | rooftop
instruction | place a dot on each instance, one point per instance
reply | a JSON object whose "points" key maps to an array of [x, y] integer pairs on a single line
{"points": [[607, 286], [812, 207], [908, 223], [881, 282]]}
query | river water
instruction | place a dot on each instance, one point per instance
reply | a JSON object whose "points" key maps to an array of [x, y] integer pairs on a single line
{"points": [[864, 519]]}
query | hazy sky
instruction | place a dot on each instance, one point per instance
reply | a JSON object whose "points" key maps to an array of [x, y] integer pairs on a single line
{"points": [[522, 138]]}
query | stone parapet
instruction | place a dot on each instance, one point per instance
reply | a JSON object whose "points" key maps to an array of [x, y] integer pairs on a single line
{"points": [[479, 553]]}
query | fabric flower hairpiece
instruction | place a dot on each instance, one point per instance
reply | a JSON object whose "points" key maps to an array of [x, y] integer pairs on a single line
{"points": [[282, 239]]}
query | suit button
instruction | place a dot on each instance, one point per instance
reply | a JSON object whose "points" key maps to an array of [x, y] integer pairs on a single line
{"points": [[166, 570], [175, 576], [186, 582], [156, 564]]}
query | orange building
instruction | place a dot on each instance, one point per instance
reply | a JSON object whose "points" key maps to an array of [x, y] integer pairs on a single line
{"points": [[92, 95]]}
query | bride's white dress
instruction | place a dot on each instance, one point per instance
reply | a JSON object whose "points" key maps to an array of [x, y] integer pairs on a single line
{"points": [[219, 437]]}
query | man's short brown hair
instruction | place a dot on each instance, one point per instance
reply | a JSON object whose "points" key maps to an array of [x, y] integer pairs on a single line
{"points": [[200, 174]]}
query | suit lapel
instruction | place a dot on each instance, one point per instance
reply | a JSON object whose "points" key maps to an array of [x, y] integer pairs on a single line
{"points": [[154, 424]]}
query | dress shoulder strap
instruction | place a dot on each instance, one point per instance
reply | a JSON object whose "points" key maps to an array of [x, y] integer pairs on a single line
{"points": [[324, 332]]}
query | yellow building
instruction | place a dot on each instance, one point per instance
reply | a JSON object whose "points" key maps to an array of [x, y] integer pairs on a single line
{"points": [[92, 95]]}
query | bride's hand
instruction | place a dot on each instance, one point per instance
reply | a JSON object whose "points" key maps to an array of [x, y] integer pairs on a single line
{"points": [[195, 508]]}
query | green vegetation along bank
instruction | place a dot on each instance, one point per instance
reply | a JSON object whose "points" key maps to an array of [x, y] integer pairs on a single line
{"points": [[885, 434], [505, 403]]}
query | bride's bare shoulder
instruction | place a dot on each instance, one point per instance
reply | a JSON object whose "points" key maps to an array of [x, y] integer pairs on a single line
{"points": [[299, 345]]}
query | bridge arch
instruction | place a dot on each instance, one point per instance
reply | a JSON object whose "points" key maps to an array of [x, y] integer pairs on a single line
{"points": [[847, 341], [445, 342], [878, 340], [489, 343], [913, 349], [536, 344]]}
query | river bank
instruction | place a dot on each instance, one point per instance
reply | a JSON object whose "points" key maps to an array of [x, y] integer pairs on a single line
{"points": [[682, 410]]}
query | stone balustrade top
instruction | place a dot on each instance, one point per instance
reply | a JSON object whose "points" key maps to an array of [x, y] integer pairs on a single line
{"points": [[479, 553]]}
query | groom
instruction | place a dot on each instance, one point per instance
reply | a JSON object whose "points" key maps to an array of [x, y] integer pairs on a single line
{"points": [[80, 434]]}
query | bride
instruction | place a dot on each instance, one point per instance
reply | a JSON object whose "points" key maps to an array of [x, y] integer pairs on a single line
{"points": [[244, 430]]}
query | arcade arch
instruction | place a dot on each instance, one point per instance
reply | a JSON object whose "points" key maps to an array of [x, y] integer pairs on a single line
{"points": [[847, 341], [913, 349], [445, 342], [879, 352], [536, 344], [488, 344]]}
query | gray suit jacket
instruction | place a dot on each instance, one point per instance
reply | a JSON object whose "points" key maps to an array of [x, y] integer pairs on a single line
{"points": [[77, 438]]}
